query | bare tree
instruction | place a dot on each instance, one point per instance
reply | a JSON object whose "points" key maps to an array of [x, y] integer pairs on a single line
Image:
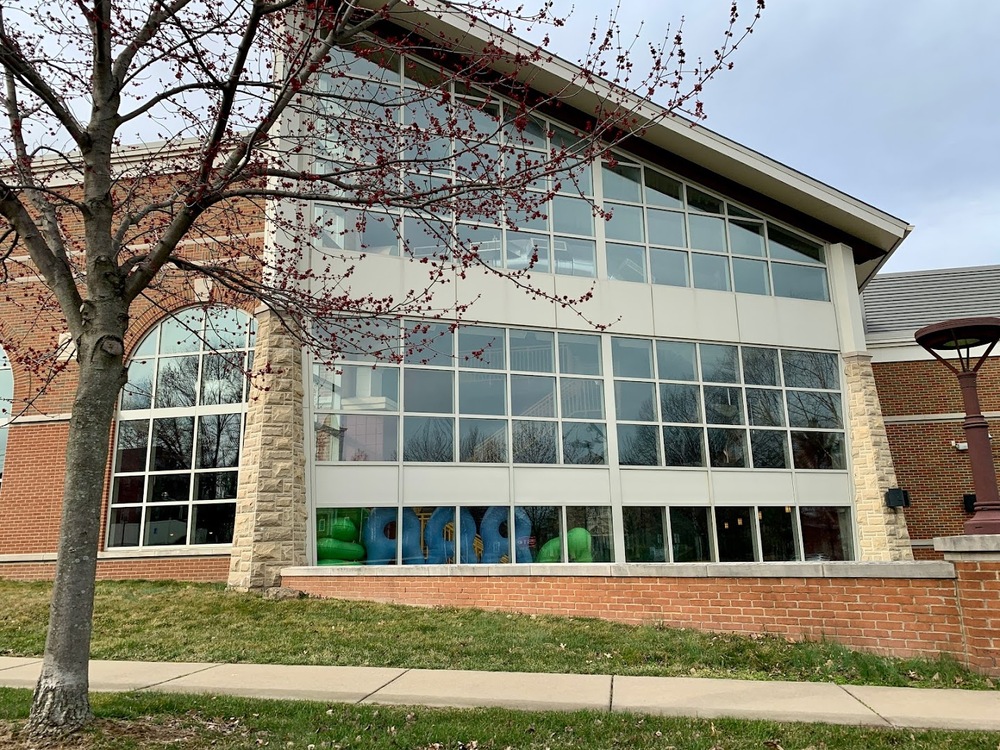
{"points": [[146, 140]]}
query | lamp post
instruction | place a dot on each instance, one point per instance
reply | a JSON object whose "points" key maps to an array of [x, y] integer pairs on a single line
{"points": [[961, 336]]}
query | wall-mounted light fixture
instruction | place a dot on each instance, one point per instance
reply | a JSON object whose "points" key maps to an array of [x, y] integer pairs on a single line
{"points": [[897, 498]]}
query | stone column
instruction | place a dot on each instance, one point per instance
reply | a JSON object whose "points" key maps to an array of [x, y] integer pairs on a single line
{"points": [[882, 533], [271, 512]]}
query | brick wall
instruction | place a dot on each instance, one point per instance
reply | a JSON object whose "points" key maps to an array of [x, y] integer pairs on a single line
{"points": [[934, 472], [928, 387], [895, 616], [31, 492], [206, 569], [979, 589]]}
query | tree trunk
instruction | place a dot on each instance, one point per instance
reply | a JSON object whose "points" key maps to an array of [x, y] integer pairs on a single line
{"points": [[60, 705]]}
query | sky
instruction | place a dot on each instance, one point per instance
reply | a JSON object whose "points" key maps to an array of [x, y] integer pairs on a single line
{"points": [[895, 102]]}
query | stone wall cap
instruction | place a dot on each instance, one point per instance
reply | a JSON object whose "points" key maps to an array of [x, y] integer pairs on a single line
{"points": [[920, 569], [969, 543]]}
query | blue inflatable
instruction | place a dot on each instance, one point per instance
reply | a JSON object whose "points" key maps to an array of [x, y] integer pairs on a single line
{"points": [[495, 544], [441, 550], [380, 547]]}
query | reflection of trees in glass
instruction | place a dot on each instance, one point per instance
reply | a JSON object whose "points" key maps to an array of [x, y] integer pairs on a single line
{"points": [[727, 448], [219, 440], [132, 439], [428, 440], [222, 379], [584, 443], [689, 534], [765, 408], [680, 403], [637, 445], [683, 446], [138, 392], [644, 540], [769, 448], [216, 485], [818, 450], [535, 442], [723, 405], [814, 409], [173, 442], [804, 369], [483, 445], [760, 366], [545, 526], [176, 382]]}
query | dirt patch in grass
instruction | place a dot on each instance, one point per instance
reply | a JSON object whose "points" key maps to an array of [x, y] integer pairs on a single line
{"points": [[188, 731]]}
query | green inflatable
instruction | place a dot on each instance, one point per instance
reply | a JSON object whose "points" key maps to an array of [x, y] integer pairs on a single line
{"points": [[578, 545], [340, 545]]}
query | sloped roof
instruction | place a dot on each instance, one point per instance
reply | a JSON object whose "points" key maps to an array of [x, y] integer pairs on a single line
{"points": [[904, 302]]}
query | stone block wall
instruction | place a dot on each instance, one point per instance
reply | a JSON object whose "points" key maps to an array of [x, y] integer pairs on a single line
{"points": [[882, 532], [271, 514]]}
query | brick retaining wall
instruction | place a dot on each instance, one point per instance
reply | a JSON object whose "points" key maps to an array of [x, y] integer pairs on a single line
{"points": [[936, 608]]}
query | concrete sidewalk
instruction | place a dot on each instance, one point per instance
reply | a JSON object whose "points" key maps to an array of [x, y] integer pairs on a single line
{"points": [[670, 696]]}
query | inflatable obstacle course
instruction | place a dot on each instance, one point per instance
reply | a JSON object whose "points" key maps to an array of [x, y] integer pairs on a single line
{"points": [[338, 536]]}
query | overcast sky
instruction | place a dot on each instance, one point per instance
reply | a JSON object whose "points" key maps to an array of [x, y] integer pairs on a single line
{"points": [[895, 102]]}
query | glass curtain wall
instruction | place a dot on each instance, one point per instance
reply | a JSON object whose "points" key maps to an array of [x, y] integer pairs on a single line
{"points": [[434, 394], [659, 229]]}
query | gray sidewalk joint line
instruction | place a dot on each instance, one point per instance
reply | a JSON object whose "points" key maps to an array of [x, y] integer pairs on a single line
{"points": [[611, 695], [381, 687], [874, 712], [18, 666], [178, 677]]}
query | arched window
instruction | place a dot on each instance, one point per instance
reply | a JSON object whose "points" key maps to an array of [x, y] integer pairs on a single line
{"points": [[179, 432], [6, 404]]}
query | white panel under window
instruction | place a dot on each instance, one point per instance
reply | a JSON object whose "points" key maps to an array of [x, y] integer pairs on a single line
{"points": [[695, 314], [752, 487], [649, 487], [561, 486], [787, 322], [448, 485], [822, 488], [356, 485]]}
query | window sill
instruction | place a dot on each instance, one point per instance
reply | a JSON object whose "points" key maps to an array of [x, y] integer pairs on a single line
{"points": [[206, 550]]}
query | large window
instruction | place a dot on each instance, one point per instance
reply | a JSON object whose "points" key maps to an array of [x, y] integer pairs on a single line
{"points": [[660, 230], [6, 404], [725, 406], [480, 394], [737, 534], [179, 432], [469, 535], [485, 394]]}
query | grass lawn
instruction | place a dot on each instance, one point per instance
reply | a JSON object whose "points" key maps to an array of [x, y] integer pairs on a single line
{"points": [[150, 720], [155, 621]]}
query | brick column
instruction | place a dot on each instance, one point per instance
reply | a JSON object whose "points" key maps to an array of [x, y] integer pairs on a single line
{"points": [[271, 513], [976, 558], [882, 533]]}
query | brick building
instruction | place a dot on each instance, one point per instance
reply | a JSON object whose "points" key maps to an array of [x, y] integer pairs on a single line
{"points": [[921, 400], [728, 416]]}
